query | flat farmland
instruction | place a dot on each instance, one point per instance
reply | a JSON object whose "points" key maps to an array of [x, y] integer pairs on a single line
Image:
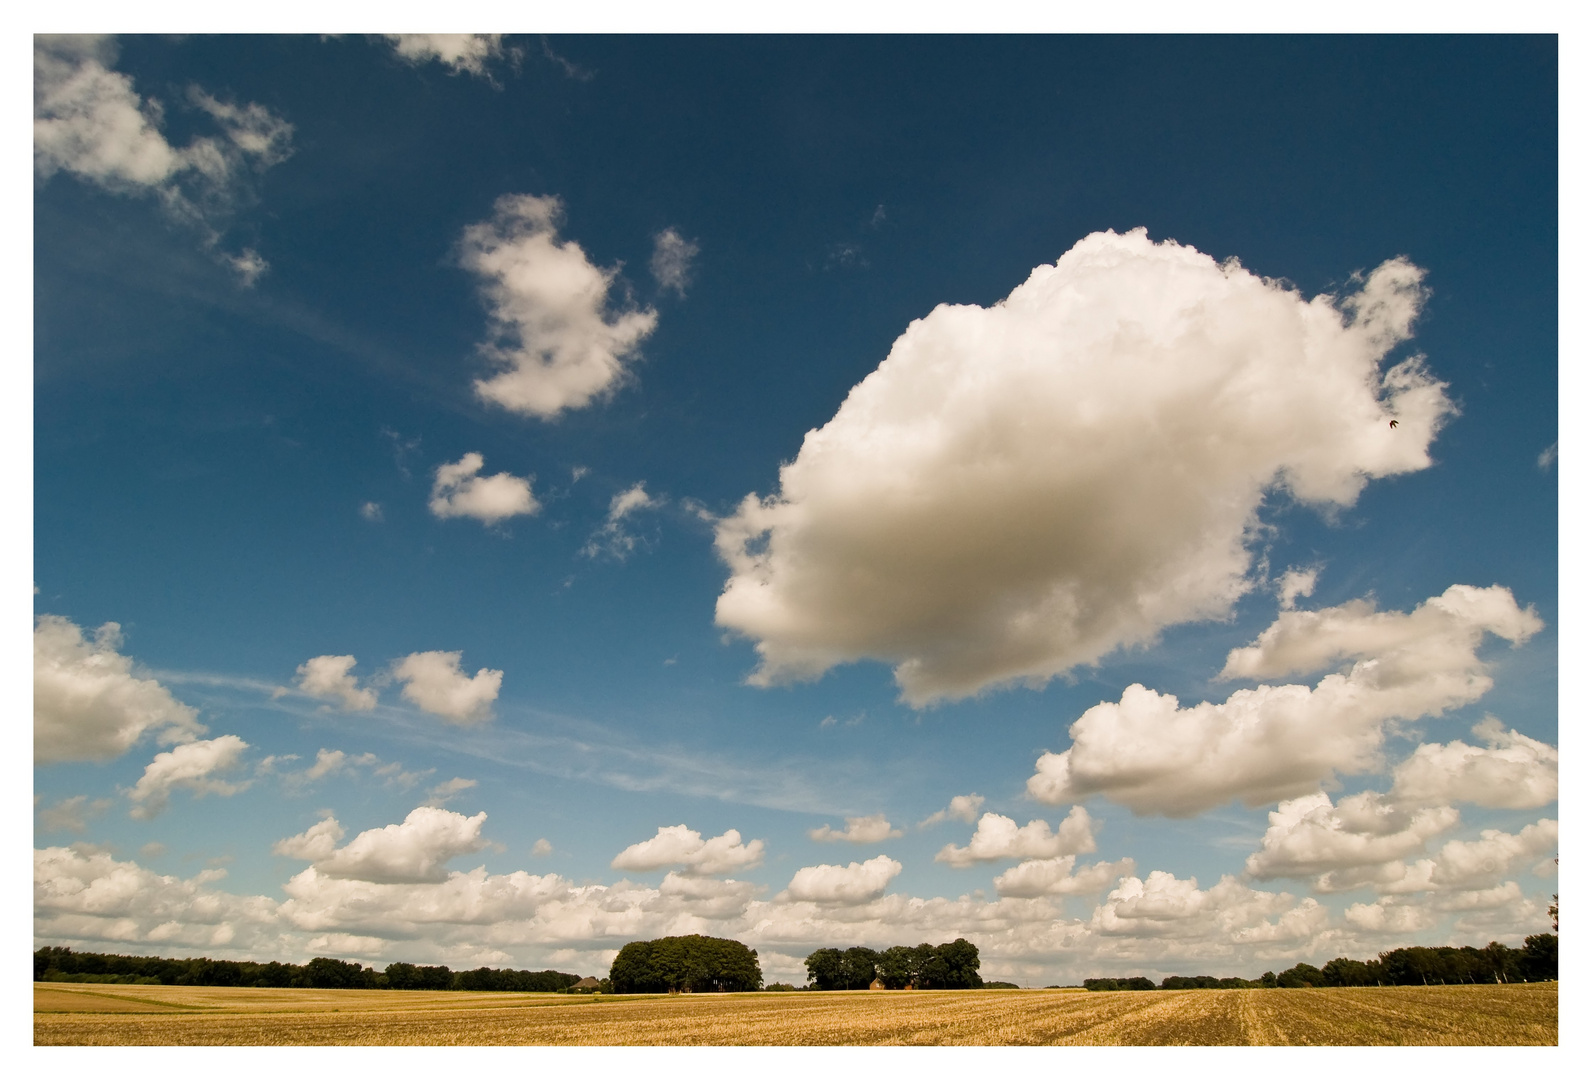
{"points": [[76, 1014]]}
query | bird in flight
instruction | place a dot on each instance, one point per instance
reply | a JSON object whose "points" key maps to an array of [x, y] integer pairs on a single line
{"points": [[1392, 423]]}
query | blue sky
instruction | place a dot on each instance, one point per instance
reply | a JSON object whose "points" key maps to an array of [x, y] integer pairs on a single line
{"points": [[547, 380]]}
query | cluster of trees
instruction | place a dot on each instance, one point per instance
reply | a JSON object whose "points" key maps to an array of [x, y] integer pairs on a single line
{"points": [[1417, 965], [951, 966], [52, 964], [689, 964]]}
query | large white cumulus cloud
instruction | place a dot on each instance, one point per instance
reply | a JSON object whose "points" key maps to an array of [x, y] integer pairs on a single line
{"points": [[1282, 742], [1021, 489], [87, 704], [552, 336]]}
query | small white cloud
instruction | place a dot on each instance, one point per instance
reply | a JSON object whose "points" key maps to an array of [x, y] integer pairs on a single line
{"points": [[329, 677], [1511, 772], [1022, 489], [434, 682], [612, 538], [677, 845], [313, 844], [1294, 583], [1283, 742], [672, 255], [248, 264], [1549, 457], [1055, 877], [371, 511], [855, 883], [448, 790], [192, 766], [962, 808], [551, 332], [464, 53], [998, 837], [408, 853], [87, 705], [460, 492], [327, 763], [152, 850], [859, 830], [73, 814], [541, 848]]}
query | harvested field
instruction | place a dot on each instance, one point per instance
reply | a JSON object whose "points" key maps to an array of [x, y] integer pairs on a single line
{"points": [[106, 1015]]}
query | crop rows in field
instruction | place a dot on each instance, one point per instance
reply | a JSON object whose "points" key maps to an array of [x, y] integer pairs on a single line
{"points": [[1520, 1014]]}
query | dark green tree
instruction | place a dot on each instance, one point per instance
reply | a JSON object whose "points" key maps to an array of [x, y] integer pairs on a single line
{"points": [[691, 963], [961, 965], [823, 969], [858, 966], [1345, 972], [897, 966], [324, 973], [931, 970], [1301, 975], [1540, 961]]}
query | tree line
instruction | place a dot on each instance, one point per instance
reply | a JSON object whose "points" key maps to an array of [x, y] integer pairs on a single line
{"points": [[951, 966], [54, 964], [1417, 965], [691, 964]]}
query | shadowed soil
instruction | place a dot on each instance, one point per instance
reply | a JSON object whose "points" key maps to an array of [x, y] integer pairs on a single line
{"points": [[1425, 1016]]}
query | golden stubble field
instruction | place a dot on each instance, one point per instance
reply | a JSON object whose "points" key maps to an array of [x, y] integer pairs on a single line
{"points": [[76, 1014]]}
